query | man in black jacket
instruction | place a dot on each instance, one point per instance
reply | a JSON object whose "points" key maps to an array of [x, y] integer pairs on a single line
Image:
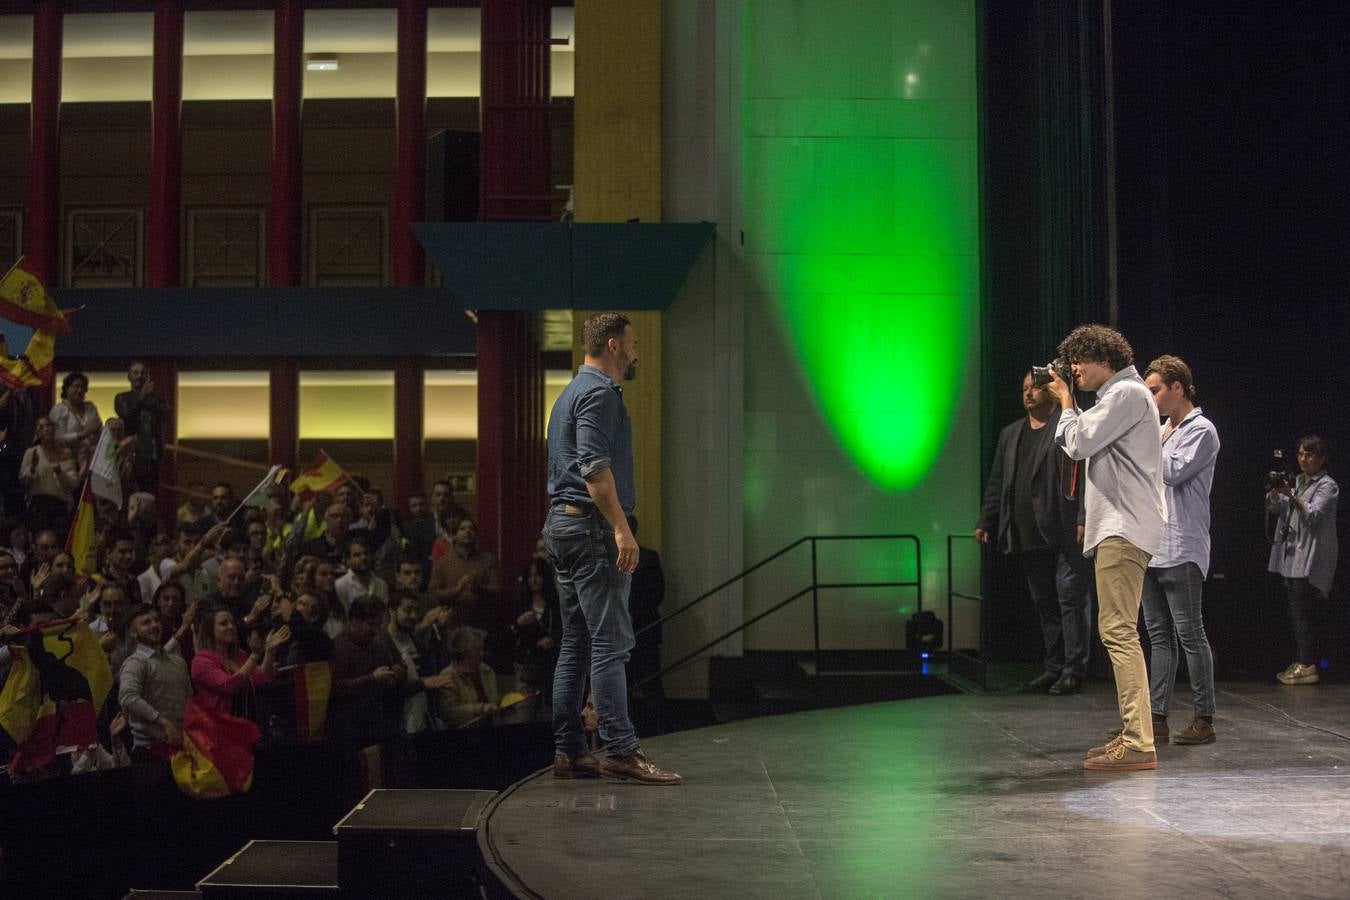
{"points": [[1033, 508]]}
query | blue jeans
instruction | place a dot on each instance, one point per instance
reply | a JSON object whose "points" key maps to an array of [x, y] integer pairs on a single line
{"points": [[1059, 588], [597, 632], [1171, 602]]}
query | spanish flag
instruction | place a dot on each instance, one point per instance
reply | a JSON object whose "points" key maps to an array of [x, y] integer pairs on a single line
{"points": [[322, 475], [58, 682], [25, 300], [81, 542], [216, 758], [34, 367], [313, 687]]}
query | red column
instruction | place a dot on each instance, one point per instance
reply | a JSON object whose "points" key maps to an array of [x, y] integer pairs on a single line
{"points": [[409, 393], [283, 434], [284, 229], [409, 263], [410, 170], [511, 451], [515, 165], [163, 371], [42, 229], [166, 152]]}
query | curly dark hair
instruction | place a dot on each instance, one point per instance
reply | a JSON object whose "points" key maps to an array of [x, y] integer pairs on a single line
{"points": [[70, 379], [1097, 343]]}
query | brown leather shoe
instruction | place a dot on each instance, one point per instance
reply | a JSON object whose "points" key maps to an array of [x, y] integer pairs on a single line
{"points": [[1198, 732], [1122, 759], [636, 766], [1104, 748], [583, 766]]}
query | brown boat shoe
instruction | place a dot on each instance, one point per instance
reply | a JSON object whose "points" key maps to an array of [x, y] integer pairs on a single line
{"points": [[1122, 759]]}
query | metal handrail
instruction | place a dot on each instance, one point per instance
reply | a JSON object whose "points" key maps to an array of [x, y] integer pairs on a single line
{"points": [[813, 589], [952, 594]]}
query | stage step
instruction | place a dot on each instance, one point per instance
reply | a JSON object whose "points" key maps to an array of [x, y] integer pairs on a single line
{"points": [[275, 869], [411, 843], [774, 682]]}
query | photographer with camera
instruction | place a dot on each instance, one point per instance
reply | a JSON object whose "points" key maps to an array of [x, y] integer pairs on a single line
{"points": [[1030, 510], [1125, 515], [1175, 579], [1304, 549]]}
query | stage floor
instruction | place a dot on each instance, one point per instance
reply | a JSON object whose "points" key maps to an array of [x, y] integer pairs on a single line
{"points": [[955, 796]]}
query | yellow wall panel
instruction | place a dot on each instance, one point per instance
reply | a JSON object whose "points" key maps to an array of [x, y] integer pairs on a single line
{"points": [[617, 177]]}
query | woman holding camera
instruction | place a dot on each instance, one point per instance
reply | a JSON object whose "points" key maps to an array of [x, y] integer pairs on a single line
{"points": [[1304, 550]]}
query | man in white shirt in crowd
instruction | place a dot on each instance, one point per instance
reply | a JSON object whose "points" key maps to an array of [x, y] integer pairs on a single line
{"points": [[1125, 515], [360, 580]]}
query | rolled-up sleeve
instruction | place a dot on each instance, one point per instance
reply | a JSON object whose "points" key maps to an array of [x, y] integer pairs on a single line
{"points": [[1194, 449], [597, 417]]}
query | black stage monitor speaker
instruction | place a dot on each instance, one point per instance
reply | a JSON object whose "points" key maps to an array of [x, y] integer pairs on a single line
{"points": [[414, 843], [275, 869]]}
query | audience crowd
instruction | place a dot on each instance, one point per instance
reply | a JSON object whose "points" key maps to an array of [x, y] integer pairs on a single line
{"points": [[261, 606]]}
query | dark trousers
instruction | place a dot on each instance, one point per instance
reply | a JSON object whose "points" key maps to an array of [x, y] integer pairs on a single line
{"points": [[1305, 608], [1059, 582]]}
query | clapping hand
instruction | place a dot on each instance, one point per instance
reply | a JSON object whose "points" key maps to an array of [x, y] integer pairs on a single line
{"points": [[277, 637]]}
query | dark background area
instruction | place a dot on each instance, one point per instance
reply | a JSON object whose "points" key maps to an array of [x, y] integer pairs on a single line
{"points": [[1232, 131]]}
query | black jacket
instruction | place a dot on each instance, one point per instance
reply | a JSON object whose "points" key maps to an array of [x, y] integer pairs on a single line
{"points": [[1050, 483]]}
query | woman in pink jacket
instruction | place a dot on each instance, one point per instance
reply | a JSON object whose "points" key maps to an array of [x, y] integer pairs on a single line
{"points": [[221, 670]]}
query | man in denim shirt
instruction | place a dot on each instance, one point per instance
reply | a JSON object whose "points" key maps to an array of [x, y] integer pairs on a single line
{"points": [[1176, 575], [591, 493]]}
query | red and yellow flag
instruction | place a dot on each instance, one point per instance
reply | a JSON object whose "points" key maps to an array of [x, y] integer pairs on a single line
{"points": [[58, 682], [216, 758], [24, 299], [34, 367], [80, 543], [324, 474], [313, 687]]}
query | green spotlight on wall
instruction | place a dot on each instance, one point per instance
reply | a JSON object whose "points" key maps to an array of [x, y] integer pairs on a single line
{"points": [[862, 213]]}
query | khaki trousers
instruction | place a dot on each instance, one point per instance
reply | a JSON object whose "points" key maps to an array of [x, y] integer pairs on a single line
{"points": [[1120, 584]]}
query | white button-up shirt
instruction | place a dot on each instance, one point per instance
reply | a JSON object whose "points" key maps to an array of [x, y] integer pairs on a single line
{"points": [[1188, 457], [1119, 438]]}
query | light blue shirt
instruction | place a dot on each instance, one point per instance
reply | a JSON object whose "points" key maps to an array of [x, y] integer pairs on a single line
{"points": [[1188, 457], [1305, 539], [1123, 494]]}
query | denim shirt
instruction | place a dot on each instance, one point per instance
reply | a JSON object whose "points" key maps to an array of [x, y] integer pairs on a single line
{"points": [[1305, 539], [589, 431], [1124, 486], [1188, 457]]}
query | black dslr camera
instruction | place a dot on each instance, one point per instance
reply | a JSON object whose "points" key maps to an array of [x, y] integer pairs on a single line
{"points": [[1040, 375], [1277, 479]]}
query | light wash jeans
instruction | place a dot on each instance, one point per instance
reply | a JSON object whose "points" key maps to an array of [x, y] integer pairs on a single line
{"points": [[597, 632]]}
